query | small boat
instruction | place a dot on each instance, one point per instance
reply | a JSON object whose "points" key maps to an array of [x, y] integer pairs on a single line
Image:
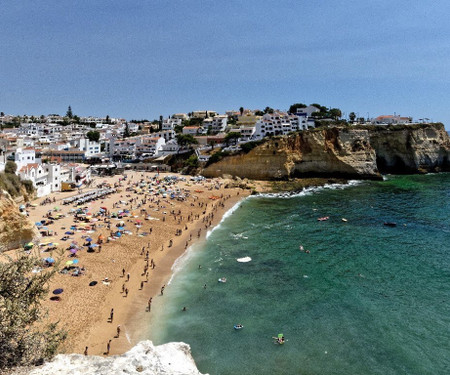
{"points": [[238, 326], [390, 224], [344, 220], [222, 280], [323, 218]]}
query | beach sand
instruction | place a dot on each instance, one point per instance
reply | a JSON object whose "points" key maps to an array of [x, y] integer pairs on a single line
{"points": [[84, 310]]}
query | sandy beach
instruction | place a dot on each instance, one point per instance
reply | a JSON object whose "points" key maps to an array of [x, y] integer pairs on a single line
{"points": [[157, 230]]}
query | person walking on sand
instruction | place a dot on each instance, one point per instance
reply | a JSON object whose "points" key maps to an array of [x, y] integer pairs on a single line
{"points": [[86, 350], [128, 277], [162, 289], [118, 331], [126, 292], [108, 347], [123, 272], [111, 315], [149, 304], [142, 285]]}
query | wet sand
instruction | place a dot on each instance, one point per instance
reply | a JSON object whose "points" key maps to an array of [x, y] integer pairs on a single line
{"points": [[85, 310]]}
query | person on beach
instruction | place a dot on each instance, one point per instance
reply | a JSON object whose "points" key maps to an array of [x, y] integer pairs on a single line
{"points": [[123, 272], [118, 331], [111, 315], [128, 277], [86, 350], [142, 285], [108, 347], [149, 304], [162, 289], [126, 292]]}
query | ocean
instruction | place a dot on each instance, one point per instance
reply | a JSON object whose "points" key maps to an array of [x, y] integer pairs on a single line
{"points": [[366, 299]]}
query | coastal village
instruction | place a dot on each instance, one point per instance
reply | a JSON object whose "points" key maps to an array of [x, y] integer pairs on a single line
{"points": [[60, 153]]}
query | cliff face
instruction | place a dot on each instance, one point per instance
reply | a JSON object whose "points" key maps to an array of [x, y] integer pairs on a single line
{"points": [[327, 152], [412, 150], [15, 228], [342, 152]]}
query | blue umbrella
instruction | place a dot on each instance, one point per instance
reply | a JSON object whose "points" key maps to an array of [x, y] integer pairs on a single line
{"points": [[118, 234], [38, 223], [58, 291], [75, 261], [50, 260], [121, 228], [93, 245], [89, 239]]}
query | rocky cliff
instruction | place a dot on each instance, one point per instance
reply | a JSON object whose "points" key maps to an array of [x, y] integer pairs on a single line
{"points": [[15, 228], [348, 152], [173, 358]]}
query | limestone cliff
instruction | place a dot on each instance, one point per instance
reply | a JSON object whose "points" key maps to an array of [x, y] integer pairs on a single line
{"points": [[348, 152], [15, 228], [411, 149]]}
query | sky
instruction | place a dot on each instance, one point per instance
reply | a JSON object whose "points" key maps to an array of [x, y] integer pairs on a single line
{"points": [[142, 59]]}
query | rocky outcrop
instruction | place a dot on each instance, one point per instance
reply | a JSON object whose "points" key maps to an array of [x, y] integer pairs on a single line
{"points": [[411, 149], [327, 152], [15, 228], [345, 152], [173, 358]]}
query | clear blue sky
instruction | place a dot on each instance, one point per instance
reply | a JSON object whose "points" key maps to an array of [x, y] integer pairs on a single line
{"points": [[140, 59]]}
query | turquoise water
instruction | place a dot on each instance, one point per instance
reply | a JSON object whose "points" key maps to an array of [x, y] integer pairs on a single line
{"points": [[367, 299]]}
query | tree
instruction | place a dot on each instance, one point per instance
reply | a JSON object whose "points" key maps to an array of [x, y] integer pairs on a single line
{"points": [[352, 116], [126, 132], [259, 113], [335, 113], [10, 167], [186, 139], [24, 338], [107, 120], [232, 136], [69, 113], [93, 136], [160, 122], [293, 107], [241, 110], [268, 110]]}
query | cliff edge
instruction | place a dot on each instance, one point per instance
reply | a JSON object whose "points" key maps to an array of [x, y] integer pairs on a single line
{"points": [[15, 228], [145, 358], [346, 152]]}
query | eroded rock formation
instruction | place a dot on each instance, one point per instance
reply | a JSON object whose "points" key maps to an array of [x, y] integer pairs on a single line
{"points": [[348, 152], [15, 228]]}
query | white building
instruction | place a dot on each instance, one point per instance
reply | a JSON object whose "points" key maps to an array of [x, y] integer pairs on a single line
{"points": [[192, 130], [92, 148], [24, 156], [170, 123]]}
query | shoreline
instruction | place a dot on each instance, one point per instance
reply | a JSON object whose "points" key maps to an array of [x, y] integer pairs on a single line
{"points": [[84, 310]]}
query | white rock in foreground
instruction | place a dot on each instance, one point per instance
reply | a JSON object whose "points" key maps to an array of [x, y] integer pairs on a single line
{"points": [[146, 359]]}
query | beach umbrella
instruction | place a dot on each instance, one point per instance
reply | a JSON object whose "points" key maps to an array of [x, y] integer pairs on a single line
{"points": [[38, 223], [69, 262], [118, 234], [50, 260], [68, 232], [73, 251], [75, 261], [58, 291], [93, 283], [93, 245], [89, 239], [29, 245]]}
